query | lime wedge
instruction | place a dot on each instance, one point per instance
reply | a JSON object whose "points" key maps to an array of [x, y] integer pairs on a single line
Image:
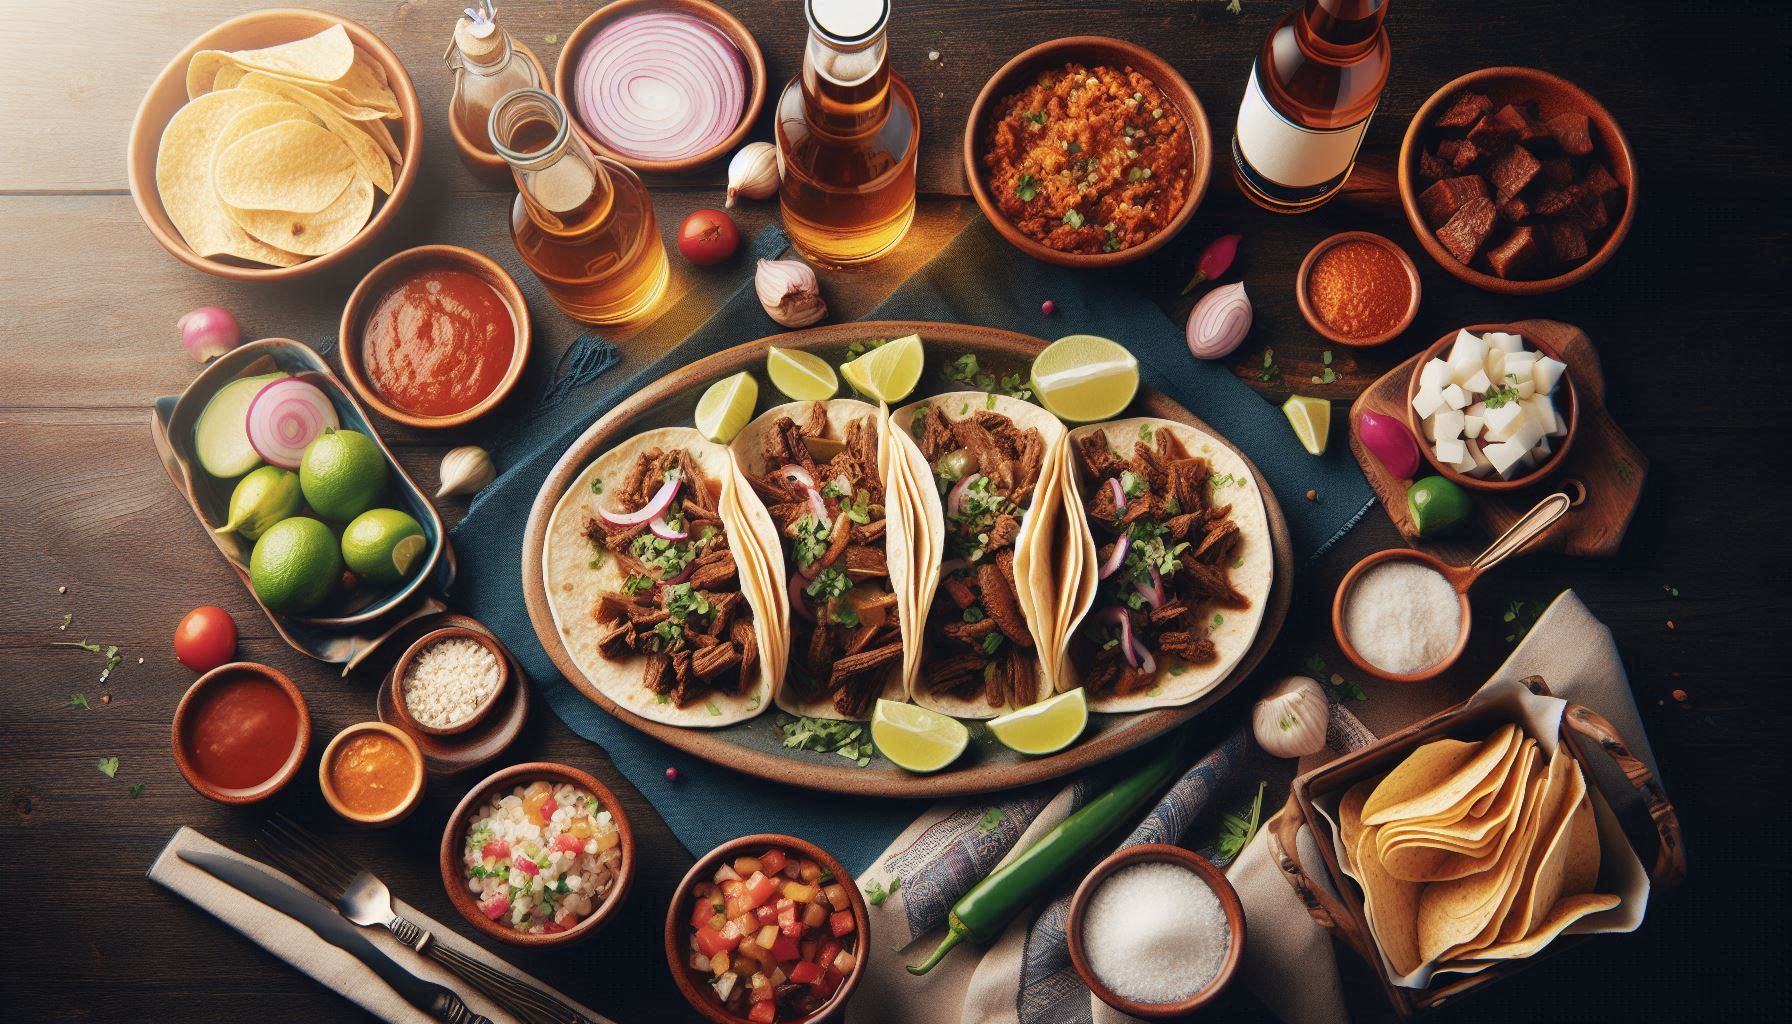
{"points": [[405, 552], [1082, 378], [802, 376], [727, 407], [1312, 421], [889, 372], [1045, 728], [915, 738]]}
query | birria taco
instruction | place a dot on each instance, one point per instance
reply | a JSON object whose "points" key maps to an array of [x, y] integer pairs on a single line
{"points": [[1177, 543], [978, 469], [818, 468], [651, 578]]}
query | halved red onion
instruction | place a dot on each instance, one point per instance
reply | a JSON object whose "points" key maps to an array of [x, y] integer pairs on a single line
{"points": [[665, 530], [284, 417], [955, 497], [660, 86], [1117, 557], [655, 507], [1152, 592]]}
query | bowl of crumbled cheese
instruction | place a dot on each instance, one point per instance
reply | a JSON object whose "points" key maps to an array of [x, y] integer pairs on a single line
{"points": [[1155, 931], [448, 679]]}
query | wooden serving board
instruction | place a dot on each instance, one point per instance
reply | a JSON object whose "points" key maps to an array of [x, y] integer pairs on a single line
{"points": [[754, 747], [1604, 462]]}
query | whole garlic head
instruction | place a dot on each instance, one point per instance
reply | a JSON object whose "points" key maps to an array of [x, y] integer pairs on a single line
{"points": [[790, 292], [1290, 719], [753, 172]]}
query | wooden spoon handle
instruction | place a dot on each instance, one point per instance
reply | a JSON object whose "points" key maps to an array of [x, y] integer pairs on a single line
{"points": [[1528, 528]]}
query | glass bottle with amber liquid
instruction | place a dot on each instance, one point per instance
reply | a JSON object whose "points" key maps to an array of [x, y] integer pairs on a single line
{"points": [[487, 67], [848, 133], [583, 223], [1308, 103]]}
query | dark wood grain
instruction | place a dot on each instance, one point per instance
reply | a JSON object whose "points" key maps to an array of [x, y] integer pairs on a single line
{"points": [[1688, 317]]}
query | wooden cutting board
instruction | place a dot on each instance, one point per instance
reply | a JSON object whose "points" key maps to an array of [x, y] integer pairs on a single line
{"points": [[1603, 462]]}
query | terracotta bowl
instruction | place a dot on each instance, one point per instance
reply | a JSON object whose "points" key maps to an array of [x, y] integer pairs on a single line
{"points": [[695, 985], [500, 782], [1553, 95], [1567, 407], [1019, 72], [373, 287], [188, 707], [410, 655], [412, 796], [490, 167], [1325, 330], [168, 93], [729, 25], [1342, 597], [1156, 853]]}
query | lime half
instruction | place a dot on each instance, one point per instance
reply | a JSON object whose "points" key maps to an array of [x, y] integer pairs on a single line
{"points": [[915, 738], [727, 407], [802, 376], [1082, 378], [1045, 728], [888, 372], [1312, 421]]}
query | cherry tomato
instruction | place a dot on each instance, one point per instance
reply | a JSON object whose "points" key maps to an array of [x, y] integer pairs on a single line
{"points": [[708, 236], [205, 639]]}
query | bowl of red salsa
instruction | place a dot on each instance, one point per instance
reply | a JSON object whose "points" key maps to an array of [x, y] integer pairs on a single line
{"points": [[435, 336], [767, 928], [241, 732]]}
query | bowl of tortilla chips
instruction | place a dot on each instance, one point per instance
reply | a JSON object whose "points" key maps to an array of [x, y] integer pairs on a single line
{"points": [[274, 145]]}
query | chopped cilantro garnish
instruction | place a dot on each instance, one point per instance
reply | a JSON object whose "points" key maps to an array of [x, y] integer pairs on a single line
{"points": [[713, 710], [136, 790], [683, 601], [828, 584], [79, 700], [109, 767], [1132, 484], [1073, 147], [1500, 395], [859, 511], [811, 540], [1037, 117], [597, 485], [1144, 431], [1138, 174], [1027, 188], [839, 487], [1073, 218], [635, 584]]}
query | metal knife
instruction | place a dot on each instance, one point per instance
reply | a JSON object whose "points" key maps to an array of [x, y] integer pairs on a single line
{"points": [[436, 1000]]}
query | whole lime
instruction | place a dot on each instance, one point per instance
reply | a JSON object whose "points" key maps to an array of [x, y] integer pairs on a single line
{"points": [[342, 474], [383, 545], [294, 565]]}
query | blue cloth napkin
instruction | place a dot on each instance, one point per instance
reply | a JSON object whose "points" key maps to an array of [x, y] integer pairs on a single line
{"points": [[976, 279]]}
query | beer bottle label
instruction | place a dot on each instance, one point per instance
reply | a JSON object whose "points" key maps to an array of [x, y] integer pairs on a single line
{"points": [[1288, 163]]}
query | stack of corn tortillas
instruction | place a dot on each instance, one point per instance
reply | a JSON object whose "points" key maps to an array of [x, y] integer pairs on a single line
{"points": [[277, 155]]}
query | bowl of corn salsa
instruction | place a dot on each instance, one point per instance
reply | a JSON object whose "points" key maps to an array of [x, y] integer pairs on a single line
{"points": [[767, 929], [538, 854]]}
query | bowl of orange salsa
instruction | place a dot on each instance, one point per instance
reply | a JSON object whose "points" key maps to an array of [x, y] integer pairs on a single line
{"points": [[435, 336], [372, 774]]}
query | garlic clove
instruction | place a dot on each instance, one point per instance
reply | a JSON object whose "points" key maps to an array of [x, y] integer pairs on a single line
{"points": [[1291, 718], [466, 470], [1218, 323], [753, 172], [790, 292]]}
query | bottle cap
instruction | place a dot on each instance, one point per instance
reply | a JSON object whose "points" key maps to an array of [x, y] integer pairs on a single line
{"points": [[481, 49], [847, 22]]}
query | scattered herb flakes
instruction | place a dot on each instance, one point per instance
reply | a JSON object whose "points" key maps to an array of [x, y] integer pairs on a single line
{"points": [[79, 700], [552, 38], [710, 705], [848, 739], [1326, 357], [1027, 188], [597, 485], [1623, 471], [991, 818], [758, 699], [1500, 395], [67, 617], [1015, 385], [1073, 218], [109, 767], [1519, 617], [1036, 118], [876, 894], [108, 651], [1340, 687], [1269, 371], [136, 790], [1234, 6], [1671, 590], [1218, 619], [1239, 829]]}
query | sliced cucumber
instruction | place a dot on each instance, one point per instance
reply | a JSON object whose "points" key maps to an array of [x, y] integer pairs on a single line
{"points": [[221, 436]]}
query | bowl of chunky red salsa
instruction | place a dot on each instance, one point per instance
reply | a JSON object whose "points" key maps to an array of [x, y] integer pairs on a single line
{"points": [[435, 336], [767, 928], [241, 732], [1087, 151]]}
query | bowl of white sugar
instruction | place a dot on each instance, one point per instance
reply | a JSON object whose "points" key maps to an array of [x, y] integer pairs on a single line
{"points": [[448, 679], [1156, 931], [1402, 615]]}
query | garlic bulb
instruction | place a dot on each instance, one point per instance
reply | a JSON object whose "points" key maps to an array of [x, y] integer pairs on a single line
{"points": [[1219, 322], [789, 292], [753, 172], [1290, 720], [466, 470]]}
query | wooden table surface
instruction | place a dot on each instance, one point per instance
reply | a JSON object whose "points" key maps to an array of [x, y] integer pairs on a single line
{"points": [[1689, 316]]}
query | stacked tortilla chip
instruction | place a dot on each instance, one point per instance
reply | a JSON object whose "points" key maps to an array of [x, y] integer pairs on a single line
{"points": [[1473, 853], [278, 154]]}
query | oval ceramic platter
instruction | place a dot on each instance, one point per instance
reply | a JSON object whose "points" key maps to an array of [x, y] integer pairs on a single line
{"points": [[755, 746], [351, 633]]}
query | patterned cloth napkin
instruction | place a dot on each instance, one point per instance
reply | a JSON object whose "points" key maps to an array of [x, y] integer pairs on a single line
{"points": [[1026, 976], [976, 279]]}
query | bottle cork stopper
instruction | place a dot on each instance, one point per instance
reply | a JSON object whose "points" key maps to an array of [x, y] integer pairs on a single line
{"points": [[481, 49]]}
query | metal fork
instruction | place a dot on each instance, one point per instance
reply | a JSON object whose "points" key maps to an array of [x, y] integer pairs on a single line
{"points": [[365, 900]]}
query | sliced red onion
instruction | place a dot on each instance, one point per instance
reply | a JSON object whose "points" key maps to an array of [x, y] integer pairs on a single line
{"points": [[1128, 646], [665, 530], [955, 497], [1147, 664], [1152, 592], [690, 567], [284, 417], [799, 601], [656, 506], [1118, 557], [660, 86], [817, 506], [1119, 494]]}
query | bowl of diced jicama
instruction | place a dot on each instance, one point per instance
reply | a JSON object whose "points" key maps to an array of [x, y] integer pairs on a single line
{"points": [[1492, 409]]}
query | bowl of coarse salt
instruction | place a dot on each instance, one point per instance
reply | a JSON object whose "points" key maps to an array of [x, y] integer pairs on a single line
{"points": [[449, 679], [1156, 931]]}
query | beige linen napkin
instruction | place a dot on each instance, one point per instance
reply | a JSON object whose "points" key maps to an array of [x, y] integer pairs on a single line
{"points": [[331, 967]]}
